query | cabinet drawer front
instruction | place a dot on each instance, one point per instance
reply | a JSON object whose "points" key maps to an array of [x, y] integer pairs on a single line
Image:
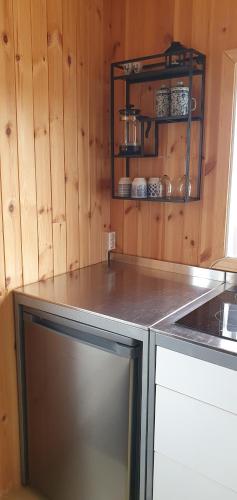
{"points": [[174, 481], [197, 435], [196, 378]]}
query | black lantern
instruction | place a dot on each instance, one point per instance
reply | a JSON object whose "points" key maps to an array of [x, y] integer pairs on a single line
{"points": [[175, 55]]}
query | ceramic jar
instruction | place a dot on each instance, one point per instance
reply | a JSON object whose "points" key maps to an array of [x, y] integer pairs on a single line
{"points": [[124, 187], [139, 187], [179, 100], [155, 187], [162, 101]]}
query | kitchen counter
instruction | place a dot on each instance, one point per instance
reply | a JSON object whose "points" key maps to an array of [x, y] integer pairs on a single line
{"points": [[124, 293], [124, 299]]}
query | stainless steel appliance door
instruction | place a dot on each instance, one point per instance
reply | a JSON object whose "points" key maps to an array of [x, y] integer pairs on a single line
{"points": [[80, 414]]}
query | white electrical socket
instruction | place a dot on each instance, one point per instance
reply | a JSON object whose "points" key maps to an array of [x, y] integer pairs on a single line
{"points": [[110, 241]]}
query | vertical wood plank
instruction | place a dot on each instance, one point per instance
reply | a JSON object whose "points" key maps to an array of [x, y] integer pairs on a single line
{"points": [[25, 125], [180, 239], [2, 256], [8, 151], [130, 227], [95, 127], [70, 132], [105, 8], [183, 17], [156, 232], [83, 131], [173, 233], [114, 48], [9, 425], [132, 49], [55, 70], [191, 236], [117, 220], [41, 134]]}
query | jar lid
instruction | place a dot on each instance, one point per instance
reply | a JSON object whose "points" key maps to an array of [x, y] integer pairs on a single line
{"points": [[125, 180], [180, 85], [153, 180], [130, 111], [163, 87], [138, 180]]}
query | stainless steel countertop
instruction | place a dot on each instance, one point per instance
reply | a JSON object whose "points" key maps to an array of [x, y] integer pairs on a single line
{"points": [[168, 327], [123, 292]]}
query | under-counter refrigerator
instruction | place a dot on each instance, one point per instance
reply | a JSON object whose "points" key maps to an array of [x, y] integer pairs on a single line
{"points": [[82, 411]]}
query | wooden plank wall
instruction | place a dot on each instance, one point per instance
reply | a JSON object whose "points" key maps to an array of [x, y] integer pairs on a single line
{"points": [[178, 233], [54, 182], [54, 150]]}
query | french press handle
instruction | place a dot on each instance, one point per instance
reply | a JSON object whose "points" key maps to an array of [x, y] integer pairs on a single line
{"points": [[148, 128]]}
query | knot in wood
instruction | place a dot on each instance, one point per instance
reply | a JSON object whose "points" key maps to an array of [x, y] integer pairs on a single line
{"points": [[5, 38]]}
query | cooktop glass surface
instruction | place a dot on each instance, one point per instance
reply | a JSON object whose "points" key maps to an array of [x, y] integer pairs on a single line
{"points": [[216, 317]]}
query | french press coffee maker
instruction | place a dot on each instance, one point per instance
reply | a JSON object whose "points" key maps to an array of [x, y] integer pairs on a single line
{"points": [[131, 130]]}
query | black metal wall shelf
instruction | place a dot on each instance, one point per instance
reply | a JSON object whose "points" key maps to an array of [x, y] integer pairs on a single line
{"points": [[173, 199], [145, 155], [178, 119], [149, 76], [176, 62]]}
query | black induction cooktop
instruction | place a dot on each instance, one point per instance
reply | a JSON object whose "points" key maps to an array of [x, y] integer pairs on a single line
{"points": [[216, 317]]}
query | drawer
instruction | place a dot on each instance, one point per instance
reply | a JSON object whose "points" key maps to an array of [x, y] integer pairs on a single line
{"points": [[197, 435], [196, 378], [174, 481]]}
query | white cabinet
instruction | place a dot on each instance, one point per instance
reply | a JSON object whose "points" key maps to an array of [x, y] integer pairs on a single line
{"points": [[196, 378], [195, 429], [174, 481]]}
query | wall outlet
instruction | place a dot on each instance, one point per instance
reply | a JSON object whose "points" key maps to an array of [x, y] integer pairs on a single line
{"points": [[110, 241]]}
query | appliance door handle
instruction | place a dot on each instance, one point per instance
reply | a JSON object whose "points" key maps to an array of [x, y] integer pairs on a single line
{"points": [[90, 336]]}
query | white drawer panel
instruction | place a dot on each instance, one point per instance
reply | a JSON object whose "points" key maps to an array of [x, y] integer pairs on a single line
{"points": [[196, 378], [174, 481], [195, 434]]}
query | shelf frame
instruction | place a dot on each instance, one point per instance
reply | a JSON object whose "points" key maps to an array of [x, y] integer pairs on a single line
{"points": [[172, 199], [194, 64]]}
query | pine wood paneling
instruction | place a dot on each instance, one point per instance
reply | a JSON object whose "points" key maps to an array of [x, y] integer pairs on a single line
{"points": [[178, 233], [8, 150], [2, 257], [105, 133], [25, 122], [115, 29], [52, 177], [54, 149], [83, 131], [9, 447], [55, 82], [70, 131], [41, 134], [96, 109]]}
